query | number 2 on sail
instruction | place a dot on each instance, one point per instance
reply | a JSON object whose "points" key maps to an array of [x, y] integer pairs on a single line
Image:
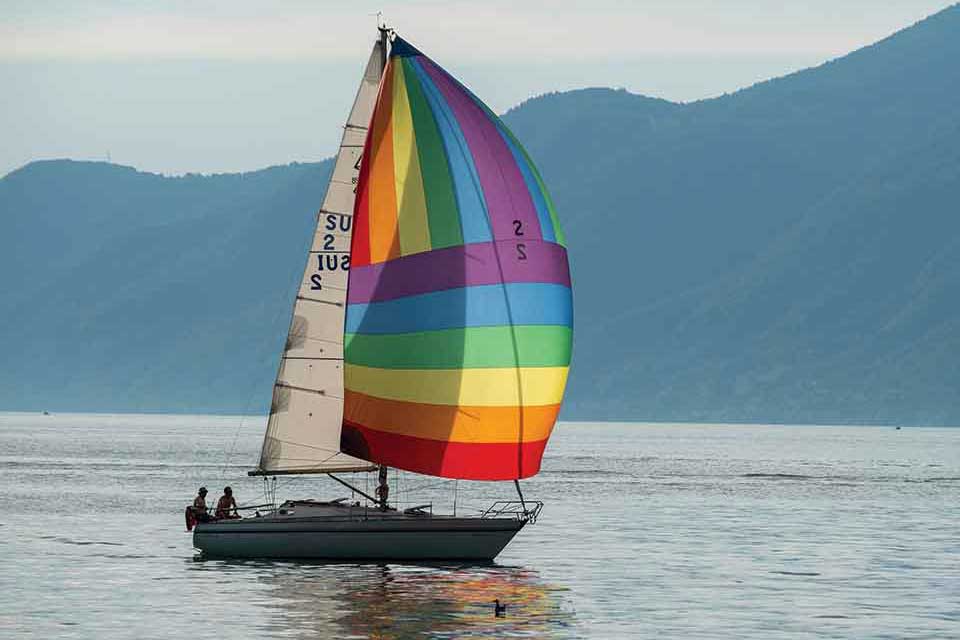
{"points": [[521, 247]]}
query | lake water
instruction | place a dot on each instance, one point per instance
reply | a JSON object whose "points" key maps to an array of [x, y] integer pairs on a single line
{"points": [[666, 531]]}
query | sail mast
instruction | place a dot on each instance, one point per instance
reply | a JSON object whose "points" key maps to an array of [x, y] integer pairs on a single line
{"points": [[383, 489], [384, 45]]}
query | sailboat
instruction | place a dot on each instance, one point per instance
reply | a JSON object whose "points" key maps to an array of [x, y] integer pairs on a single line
{"points": [[431, 333]]}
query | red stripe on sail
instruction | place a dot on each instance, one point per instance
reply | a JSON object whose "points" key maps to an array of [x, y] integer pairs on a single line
{"points": [[462, 460], [360, 243]]}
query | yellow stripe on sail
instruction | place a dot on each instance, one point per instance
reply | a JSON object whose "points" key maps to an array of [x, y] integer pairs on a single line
{"points": [[411, 202], [465, 387]]}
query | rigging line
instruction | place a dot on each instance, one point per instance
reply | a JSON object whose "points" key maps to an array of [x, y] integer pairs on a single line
{"points": [[252, 388], [429, 484], [425, 487], [286, 483], [236, 436], [353, 488], [309, 446]]}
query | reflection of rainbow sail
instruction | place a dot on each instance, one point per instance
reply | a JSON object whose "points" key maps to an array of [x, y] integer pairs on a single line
{"points": [[459, 318], [398, 601]]}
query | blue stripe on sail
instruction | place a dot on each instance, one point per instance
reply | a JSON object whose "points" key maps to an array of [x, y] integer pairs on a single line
{"points": [[402, 48], [466, 181], [531, 303]]}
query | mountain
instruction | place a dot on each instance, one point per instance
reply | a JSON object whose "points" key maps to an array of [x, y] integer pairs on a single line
{"points": [[131, 291], [786, 253]]}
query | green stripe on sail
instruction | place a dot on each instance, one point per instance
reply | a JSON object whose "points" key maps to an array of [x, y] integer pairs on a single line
{"points": [[469, 348], [442, 214]]}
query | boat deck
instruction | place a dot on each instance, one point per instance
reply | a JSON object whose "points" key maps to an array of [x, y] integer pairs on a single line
{"points": [[342, 510]]}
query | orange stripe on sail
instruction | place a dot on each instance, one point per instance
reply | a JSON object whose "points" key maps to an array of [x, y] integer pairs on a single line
{"points": [[449, 423], [381, 187]]}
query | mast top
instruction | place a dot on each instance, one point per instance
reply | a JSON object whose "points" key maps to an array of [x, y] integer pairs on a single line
{"points": [[386, 37]]}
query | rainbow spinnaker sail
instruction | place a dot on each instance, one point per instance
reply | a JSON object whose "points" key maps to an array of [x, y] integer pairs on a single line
{"points": [[459, 314]]}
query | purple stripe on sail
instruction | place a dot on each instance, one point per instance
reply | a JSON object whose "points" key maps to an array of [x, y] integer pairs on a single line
{"points": [[504, 189], [460, 266]]}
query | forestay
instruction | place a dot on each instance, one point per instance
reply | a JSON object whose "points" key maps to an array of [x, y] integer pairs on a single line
{"points": [[459, 319], [303, 432]]}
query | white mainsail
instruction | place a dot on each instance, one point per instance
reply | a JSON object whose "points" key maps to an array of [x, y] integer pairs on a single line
{"points": [[303, 432]]}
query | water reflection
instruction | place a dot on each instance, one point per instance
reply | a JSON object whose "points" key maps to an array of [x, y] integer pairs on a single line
{"points": [[403, 601]]}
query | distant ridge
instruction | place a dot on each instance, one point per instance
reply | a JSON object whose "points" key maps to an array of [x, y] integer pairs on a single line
{"points": [[786, 253], [783, 253], [131, 291]]}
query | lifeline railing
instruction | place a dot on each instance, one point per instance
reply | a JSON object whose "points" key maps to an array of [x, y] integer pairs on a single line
{"points": [[526, 511]]}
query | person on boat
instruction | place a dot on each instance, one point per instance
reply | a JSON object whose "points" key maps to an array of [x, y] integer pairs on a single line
{"points": [[227, 506], [197, 512], [200, 512], [383, 489]]}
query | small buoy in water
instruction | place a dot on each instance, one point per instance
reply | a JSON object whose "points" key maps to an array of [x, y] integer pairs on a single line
{"points": [[499, 610]]}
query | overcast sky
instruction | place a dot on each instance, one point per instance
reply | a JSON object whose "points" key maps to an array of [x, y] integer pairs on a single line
{"points": [[226, 85]]}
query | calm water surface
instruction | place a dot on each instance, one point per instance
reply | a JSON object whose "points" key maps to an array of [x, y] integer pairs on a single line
{"points": [[666, 531]]}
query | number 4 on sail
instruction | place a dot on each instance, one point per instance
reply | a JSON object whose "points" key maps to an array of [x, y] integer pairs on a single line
{"points": [[443, 344]]}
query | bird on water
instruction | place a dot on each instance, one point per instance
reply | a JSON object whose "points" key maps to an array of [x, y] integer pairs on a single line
{"points": [[499, 610]]}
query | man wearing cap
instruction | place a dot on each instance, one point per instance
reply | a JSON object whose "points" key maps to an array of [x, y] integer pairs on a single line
{"points": [[200, 506]]}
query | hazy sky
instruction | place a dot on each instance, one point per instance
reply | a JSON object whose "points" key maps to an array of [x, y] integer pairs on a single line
{"points": [[227, 85]]}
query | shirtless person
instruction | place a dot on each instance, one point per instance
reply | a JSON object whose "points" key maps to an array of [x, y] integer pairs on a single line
{"points": [[200, 506], [225, 505]]}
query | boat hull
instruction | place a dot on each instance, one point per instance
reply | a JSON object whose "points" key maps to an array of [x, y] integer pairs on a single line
{"points": [[423, 539]]}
